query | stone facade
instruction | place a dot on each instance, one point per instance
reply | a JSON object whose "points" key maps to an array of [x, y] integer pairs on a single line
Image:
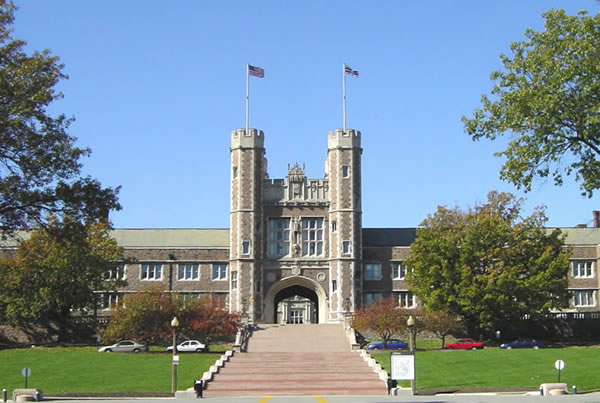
{"points": [[296, 250]]}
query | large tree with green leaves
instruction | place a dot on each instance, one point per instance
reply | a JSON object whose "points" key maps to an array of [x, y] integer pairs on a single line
{"points": [[547, 99], [488, 265], [39, 161], [56, 271]]}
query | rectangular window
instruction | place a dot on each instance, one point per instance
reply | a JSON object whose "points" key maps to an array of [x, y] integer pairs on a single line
{"points": [[188, 271], [373, 271], [333, 226], [346, 247], [234, 280], [151, 271], [234, 172], [398, 271], [333, 285], [219, 271], [246, 248], [111, 300], [371, 297], [117, 273], [406, 299], [582, 268], [312, 236], [345, 171], [583, 298], [278, 241]]}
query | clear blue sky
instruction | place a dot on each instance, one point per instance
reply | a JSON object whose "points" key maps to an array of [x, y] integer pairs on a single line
{"points": [[156, 87]]}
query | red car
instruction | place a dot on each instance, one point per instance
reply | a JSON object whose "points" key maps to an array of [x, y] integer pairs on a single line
{"points": [[465, 344]]}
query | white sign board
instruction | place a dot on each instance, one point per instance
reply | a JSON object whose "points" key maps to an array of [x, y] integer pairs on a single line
{"points": [[175, 360], [403, 366], [559, 365]]}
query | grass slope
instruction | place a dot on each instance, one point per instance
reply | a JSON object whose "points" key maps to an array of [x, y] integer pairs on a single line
{"points": [[84, 370], [496, 368]]}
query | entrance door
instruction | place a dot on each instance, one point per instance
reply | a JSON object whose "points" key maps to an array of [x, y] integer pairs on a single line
{"points": [[296, 316]]}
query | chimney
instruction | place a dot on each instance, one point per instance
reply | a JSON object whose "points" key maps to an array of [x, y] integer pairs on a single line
{"points": [[596, 214]]}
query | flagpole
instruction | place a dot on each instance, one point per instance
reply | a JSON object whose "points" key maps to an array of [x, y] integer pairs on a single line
{"points": [[247, 94], [344, 95]]}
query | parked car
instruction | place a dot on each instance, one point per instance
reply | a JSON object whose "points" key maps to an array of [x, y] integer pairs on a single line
{"points": [[465, 344], [124, 346], [393, 344], [524, 343], [188, 346]]}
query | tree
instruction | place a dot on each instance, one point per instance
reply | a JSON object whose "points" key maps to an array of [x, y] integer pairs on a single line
{"points": [[39, 162], [56, 271], [442, 324], [144, 316], [488, 265], [383, 317], [208, 320], [548, 99]]}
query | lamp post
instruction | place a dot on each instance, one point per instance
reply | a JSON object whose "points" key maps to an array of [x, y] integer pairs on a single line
{"points": [[174, 324], [412, 330]]}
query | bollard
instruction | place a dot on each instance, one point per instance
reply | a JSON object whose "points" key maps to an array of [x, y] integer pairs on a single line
{"points": [[574, 389], [198, 386], [541, 391], [4, 395]]}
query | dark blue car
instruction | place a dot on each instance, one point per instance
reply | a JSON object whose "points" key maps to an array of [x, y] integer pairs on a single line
{"points": [[393, 344], [527, 343]]}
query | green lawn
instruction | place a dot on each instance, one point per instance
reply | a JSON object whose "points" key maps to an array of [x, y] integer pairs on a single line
{"points": [[84, 370], [496, 368]]}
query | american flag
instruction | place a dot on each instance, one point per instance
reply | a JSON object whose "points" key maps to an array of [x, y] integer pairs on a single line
{"points": [[348, 70], [256, 71]]}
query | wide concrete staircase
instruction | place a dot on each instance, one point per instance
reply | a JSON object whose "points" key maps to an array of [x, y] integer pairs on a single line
{"points": [[296, 360]]}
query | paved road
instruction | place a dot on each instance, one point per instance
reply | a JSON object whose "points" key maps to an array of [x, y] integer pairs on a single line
{"points": [[406, 398]]}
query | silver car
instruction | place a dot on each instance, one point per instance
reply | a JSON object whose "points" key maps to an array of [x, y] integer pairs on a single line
{"points": [[124, 346], [189, 346]]}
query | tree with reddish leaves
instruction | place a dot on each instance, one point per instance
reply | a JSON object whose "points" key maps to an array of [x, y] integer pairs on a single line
{"points": [[145, 316], [442, 324], [383, 317], [208, 320]]}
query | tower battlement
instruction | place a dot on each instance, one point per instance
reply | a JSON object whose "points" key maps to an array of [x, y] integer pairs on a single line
{"points": [[251, 138], [343, 138]]}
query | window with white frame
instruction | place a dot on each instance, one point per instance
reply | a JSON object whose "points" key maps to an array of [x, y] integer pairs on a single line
{"points": [[373, 271], [219, 271], [345, 171], [345, 247], [371, 297], [583, 298], [118, 273], [151, 271], [234, 280], [398, 271], [406, 299], [312, 236], [582, 268], [111, 300], [188, 271], [278, 240], [246, 248], [187, 297]]}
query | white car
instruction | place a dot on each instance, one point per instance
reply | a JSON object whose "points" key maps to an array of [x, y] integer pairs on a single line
{"points": [[124, 346], [189, 346]]}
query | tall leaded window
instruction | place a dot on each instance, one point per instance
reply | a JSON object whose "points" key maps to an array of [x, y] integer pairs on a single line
{"points": [[279, 237], [312, 236], [188, 271], [406, 299], [118, 273], [234, 280], [373, 271], [582, 268], [151, 271]]}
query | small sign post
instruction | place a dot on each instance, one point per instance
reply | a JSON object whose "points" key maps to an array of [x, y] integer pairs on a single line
{"points": [[175, 360], [403, 366], [559, 365], [26, 372]]}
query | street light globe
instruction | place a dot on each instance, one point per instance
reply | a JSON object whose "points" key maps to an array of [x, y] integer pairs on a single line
{"points": [[410, 322], [174, 322]]}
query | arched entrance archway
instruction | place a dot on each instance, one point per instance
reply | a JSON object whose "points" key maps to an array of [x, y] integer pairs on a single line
{"points": [[300, 305], [296, 286]]}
